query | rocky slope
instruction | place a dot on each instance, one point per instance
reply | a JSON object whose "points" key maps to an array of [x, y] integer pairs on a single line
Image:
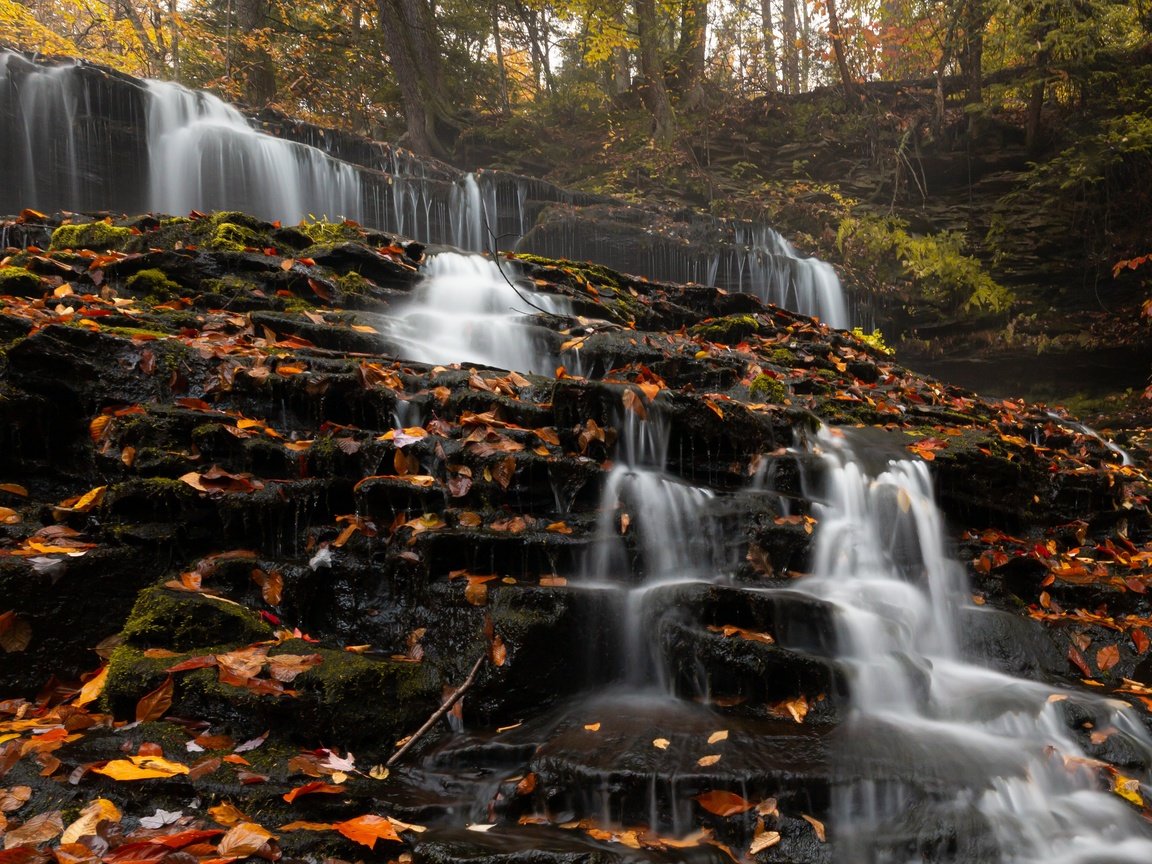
{"points": [[246, 549]]}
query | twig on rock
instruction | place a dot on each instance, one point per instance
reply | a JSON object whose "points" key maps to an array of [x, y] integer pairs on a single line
{"points": [[457, 694]]}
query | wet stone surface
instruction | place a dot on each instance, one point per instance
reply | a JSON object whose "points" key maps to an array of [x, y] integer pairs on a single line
{"points": [[231, 506]]}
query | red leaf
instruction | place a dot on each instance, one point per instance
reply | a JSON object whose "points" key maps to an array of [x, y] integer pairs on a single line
{"points": [[312, 788], [722, 803]]}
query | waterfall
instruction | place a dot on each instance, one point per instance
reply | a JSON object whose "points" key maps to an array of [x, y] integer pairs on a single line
{"points": [[471, 309], [75, 137], [673, 540], [958, 744]]}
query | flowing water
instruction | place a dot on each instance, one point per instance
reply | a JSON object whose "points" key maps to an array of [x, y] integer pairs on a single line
{"points": [[73, 137], [472, 309], [932, 739]]}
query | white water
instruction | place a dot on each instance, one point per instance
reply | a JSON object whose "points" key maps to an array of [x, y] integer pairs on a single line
{"points": [[1085, 429], [774, 271], [674, 540], [205, 155], [965, 739], [469, 310]]}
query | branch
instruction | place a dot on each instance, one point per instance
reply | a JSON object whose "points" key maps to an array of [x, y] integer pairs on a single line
{"points": [[457, 694]]}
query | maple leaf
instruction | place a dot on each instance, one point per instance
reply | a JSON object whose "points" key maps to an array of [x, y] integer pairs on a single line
{"points": [[367, 829]]}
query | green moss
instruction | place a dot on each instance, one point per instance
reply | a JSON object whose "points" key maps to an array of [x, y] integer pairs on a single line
{"points": [[353, 284], [728, 330], [766, 389], [230, 237], [875, 340], [330, 233], [782, 357], [182, 621], [18, 281], [154, 285], [175, 220], [298, 304], [99, 236], [229, 286]]}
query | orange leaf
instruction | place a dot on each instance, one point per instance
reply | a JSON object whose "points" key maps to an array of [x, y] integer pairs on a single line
{"points": [[1107, 657], [141, 768], [722, 803], [155, 705], [367, 829], [316, 787], [816, 824], [93, 688]]}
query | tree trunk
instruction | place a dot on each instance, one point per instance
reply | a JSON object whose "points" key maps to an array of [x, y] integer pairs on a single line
{"points": [[789, 39], [837, 36], [410, 39], [693, 53], [655, 90], [504, 106], [259, 71], [771, 80]]}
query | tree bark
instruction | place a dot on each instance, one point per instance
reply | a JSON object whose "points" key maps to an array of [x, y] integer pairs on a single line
{"points": [[789, 38], [692, 51], [837, 36], [410, 38], [259, 71], [655, 89], [504, 106], [771, 79]]}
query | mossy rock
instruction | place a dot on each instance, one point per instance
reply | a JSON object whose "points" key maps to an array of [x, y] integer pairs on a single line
{"points": [[347, 697], [154, 285], [98, 236], [19, 282], [230, 237], [183, 621], [766, 389], [331, 233], [729, 330]]}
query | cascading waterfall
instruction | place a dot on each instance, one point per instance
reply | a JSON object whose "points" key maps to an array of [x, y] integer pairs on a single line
{"points": [[958, 743], [470, 309], [79, 139], [204, 152], [674, 537]]}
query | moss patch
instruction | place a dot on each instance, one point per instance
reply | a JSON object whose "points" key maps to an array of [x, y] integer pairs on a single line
{"points": [[765, 388], [729, 330], [154, 285], [18, 281], [98, 236], [183, 621]]}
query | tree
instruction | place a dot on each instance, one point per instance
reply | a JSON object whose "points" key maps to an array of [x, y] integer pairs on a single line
{"points": [[412, 41], [652, 67], [837, 36]]}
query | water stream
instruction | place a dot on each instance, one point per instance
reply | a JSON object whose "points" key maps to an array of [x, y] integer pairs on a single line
{"points": [[939, 755]]}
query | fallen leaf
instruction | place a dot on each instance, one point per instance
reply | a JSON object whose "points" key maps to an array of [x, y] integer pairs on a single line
{"points": [[244, 839], [765, 840], [1127, 788], [592, 727], [722, 803], [705, 761], [313, 788], [1107, 657], [39, 829], [15, 798], [154, 705], [367, 829], [816, 824], [141, 768], [721, 735], [660, 743], [15, 632], [99, 810], [226, 813]]}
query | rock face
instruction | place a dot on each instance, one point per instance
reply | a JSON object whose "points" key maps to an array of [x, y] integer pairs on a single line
{"points": [[220, 474]]}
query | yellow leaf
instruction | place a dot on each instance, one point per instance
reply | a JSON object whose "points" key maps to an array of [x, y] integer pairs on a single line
{"points": [[721, 735], [1128, 788], [661, 743], [99, 810], [592, 727], [92, 690], [141, 768]]}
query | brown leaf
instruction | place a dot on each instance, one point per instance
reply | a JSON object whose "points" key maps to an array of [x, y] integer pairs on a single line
{"points": [[15, 632], [285, 667], [723, 803], [244, 839], [634, 402], [497, 651], [15, 798], [155, 705], [38, 829], [816, 824], [503, 471], [226, 814], [1107, 657]]}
